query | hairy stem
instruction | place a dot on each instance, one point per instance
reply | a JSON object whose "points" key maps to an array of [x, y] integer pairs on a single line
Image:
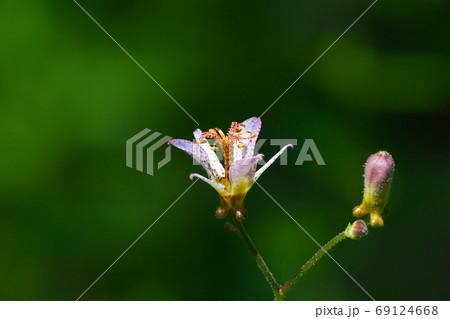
{"points": [[322, 251], [260, 261]]}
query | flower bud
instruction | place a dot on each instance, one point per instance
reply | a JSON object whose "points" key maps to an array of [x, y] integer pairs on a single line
{"points": [[378, 173], [357, 231]]}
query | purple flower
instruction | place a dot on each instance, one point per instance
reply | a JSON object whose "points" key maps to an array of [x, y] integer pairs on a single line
{"points": [[233, 178], [378, 173]]}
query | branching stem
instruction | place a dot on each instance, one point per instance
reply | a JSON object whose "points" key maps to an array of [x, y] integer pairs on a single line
{"points": [[319, 254], [280, 291]]}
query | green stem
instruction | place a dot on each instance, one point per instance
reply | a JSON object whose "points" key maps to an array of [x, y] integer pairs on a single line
{"points": [[260, 261], [279, 296], [324, 250]]}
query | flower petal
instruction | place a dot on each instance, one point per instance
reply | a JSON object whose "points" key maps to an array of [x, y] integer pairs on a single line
{"points": [[243, 171], [216, 167], [218, 187], [252, 125], [242, 145], [195, 151], [270, 162]]}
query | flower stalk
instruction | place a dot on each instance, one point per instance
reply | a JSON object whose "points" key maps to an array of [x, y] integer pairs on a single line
{"points": [[259, 260], [280, 291], [284, 288]]}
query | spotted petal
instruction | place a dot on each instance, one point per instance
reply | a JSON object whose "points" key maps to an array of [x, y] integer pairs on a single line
{"points": [[217, 169], [253, 126], [218, 187], [242, 172], [245, 146], [195, 151]]}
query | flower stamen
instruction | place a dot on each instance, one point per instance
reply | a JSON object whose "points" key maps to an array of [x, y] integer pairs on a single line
{"points": [[222, 135]]}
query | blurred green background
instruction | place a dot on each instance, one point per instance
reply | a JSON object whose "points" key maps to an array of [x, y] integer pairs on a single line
{"points": [[70, 98]]}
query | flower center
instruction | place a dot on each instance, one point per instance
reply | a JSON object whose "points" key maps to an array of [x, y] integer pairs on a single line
{"points": [[228, 143]]}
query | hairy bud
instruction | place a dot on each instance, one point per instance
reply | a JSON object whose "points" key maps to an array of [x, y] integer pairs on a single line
{"points": [[378, 173], [357, 230]]}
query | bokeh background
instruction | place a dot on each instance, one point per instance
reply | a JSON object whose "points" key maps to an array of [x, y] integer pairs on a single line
{"points": [[70, 98]]}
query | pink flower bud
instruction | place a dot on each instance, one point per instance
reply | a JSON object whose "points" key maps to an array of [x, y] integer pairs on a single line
{"points": [[357, 231], [378, 173]]}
